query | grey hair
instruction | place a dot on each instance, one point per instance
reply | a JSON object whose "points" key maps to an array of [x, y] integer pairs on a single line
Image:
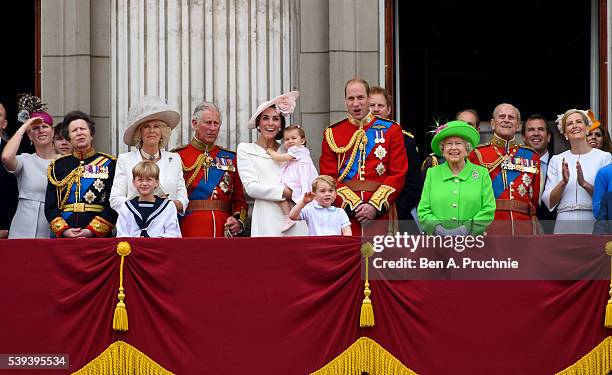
{"points": [[204, 106], [497, 107], [468, 145]]}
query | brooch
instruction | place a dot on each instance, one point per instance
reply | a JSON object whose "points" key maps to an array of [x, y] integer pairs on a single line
{"points": [[380, 152]]}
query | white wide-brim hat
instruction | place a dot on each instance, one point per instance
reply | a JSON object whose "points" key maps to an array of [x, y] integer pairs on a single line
{"points": [[285, 104], [146, 109]]}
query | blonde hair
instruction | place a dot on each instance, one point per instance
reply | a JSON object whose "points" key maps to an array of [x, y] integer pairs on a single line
{"points": [[568, 113], [165, 133], [145, 169], [324, 178]]}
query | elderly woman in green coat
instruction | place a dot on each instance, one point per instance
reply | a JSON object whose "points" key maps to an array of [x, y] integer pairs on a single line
{"points": [[457, 196]]}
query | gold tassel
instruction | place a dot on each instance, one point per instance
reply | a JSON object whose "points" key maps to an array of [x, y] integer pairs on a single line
{"points": [[120, 317], [608, 319], [366, 318]]}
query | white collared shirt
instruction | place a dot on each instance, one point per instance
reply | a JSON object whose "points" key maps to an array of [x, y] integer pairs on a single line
{"points": [[324, 221]]}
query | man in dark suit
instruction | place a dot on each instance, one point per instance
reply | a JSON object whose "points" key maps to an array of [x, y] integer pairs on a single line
{"points": [[8, 184], [537, 135]]}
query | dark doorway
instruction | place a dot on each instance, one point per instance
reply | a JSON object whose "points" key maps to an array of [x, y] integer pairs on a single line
{"points": [[479, 53], [19, 55]]}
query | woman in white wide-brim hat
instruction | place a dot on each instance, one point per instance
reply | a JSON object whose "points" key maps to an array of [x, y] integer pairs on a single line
{"points": [[260, 174], [150, 122]]}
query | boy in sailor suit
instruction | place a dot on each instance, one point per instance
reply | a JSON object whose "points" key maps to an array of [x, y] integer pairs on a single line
{"points": [[147, 215]]}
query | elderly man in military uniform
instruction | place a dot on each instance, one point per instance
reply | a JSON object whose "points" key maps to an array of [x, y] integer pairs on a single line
{"points": [[217, 207], [366, 155], [514, 171], [79, 185]]}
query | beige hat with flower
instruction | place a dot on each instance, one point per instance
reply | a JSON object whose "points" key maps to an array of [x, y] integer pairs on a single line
{"points": [[284, 104], [146, 109]]}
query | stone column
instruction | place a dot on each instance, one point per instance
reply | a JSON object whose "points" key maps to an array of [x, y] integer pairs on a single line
{"points": [[339, 39], [76, 61], [236, 53]]}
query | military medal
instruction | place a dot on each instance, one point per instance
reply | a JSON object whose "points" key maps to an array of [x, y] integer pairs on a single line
{"points": [[380, 169], [380, 137], [99, 185], [380, 152], [89, 196], [526, 180]]}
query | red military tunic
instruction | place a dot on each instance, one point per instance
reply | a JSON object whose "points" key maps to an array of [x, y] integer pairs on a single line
{"points": [[214, 188], [368, 159], [515, 174]]}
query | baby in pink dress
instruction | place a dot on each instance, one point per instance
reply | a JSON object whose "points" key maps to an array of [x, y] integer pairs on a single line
{"points": [[299, 170]]}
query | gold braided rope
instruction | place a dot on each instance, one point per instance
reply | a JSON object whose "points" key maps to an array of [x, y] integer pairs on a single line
{"points": [[197, 166], [329, 136], [63, 186], [359, 139]]}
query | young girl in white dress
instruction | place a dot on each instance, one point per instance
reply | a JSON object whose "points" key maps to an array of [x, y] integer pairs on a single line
{"points": [[299, 171]]}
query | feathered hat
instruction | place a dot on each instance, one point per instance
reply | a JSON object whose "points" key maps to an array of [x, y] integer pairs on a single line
{"points": [[31, 106]]}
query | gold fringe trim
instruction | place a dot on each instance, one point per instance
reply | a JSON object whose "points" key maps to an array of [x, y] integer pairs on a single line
{"points": [[120, 317], [365, 355], [608, 317], [597, 361], [366, 317], [122, 358]]}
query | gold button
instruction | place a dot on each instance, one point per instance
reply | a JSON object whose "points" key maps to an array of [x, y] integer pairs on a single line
{"points": [[454, 204], [455, 192]]}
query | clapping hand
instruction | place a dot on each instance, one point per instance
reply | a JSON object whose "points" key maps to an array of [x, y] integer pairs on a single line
{"points": [[565, 170], [579, 174], [309, 197]]}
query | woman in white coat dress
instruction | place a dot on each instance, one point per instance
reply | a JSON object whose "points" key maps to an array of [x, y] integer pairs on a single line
{"points": [[150, 122], [260, 174]]}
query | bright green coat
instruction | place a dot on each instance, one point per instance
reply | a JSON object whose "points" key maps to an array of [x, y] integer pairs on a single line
{"points": [[466, 199]]}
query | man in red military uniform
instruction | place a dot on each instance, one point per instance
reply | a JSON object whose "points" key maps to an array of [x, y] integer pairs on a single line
{"points": [[216, 198], [514, 171], [366, 154]]}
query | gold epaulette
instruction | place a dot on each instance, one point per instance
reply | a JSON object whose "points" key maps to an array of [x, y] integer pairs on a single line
{"points": [[407, 133], [111, 157], [337, 123], [434, 161], [177, 149], [483, 145], [386, 119]]}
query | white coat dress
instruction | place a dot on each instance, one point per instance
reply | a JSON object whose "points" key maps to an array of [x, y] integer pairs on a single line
{"points": [[260, 176], [171, 180]]}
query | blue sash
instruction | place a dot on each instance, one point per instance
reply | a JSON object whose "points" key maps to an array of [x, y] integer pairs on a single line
{"points": [[204, 189], [498, 183], [377, 126], [86, 182]]}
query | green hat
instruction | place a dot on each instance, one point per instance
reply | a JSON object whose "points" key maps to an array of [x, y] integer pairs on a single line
{"points": [[454, 129]]}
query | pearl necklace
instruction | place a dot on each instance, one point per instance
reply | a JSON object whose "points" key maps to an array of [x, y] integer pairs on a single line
{"points": [[151, 157]]}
